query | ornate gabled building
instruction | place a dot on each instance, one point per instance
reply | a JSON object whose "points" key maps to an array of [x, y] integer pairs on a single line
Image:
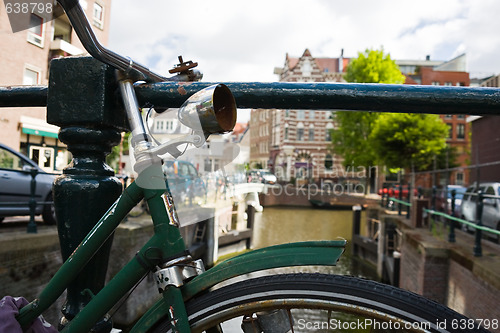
{"points": [[295, 144], [309, 69]]}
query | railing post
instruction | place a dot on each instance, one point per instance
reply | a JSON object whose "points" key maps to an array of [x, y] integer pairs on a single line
{"points": [[451, 235], [409, 202], [81, 101], [32, 229], [478, 252], [433, 199], [356, 227], [400, 197]]}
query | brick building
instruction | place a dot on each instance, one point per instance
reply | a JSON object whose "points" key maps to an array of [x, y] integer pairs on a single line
{"points": [[485, 148], [444, 73], [295, 143], [25, 57]]}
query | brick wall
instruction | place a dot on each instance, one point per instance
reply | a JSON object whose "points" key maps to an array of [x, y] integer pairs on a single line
{"points": [[27, 263], [442, 272], [463, 288], [424, 270]]}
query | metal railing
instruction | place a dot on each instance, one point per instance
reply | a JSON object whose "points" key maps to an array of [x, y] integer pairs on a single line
{"points": [[450, 219], [32, 203]]}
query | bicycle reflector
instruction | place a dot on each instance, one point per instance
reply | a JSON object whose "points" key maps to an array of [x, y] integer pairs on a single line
{"points": [[211, 110]]}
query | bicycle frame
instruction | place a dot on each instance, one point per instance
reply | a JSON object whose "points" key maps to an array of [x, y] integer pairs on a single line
{"points": [[165, 244]]}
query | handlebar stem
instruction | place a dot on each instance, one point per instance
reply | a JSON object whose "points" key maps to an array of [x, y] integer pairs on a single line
{"points": [[84, 31]]}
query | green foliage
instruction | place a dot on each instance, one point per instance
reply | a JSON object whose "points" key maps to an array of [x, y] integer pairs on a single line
{"points": [[408, 140], [373, 66], [351, 138], [114, 156]]}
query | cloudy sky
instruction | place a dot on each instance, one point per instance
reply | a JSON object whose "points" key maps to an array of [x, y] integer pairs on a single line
{"points": [[245, 40]]}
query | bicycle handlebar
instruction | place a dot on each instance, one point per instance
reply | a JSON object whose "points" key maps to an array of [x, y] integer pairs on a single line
{"points": [[86, 35]]}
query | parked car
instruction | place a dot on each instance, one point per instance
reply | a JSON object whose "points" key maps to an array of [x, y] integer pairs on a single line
{"points": [[443, 200], [491, 206], [261, 176], [15, 186], [184, 181]]}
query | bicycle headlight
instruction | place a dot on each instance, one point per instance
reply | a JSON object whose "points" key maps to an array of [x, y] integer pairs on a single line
{"points": [[211, 110]]}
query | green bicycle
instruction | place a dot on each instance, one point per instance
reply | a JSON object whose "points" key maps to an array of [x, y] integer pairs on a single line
{"points": [[193, 299]]}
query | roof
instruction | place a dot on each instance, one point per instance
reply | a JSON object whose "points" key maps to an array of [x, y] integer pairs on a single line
{"points": [[324, 64]]}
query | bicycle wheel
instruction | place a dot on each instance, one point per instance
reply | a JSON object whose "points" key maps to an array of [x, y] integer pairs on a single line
{"points": [[318, 303]]}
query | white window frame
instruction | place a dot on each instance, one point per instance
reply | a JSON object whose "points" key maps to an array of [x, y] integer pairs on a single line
{"points": [[32, 69], [159, 126], [33, 37], [98, 21]]}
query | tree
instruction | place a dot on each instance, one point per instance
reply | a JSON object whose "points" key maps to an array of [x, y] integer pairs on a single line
{"points": [[408, 140], [373, 66], [351, 138]]}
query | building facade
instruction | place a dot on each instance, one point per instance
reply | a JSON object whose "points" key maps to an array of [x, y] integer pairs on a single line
{"points": [[485, 148], [25, 57], [295, 144]]}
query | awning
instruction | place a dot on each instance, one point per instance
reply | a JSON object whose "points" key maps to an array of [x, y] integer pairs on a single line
{"points": [[303, 165], [40, 127]]}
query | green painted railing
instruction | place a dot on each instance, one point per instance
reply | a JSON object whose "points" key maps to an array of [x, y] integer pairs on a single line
{"points": [[451, 236], [319, 96]]}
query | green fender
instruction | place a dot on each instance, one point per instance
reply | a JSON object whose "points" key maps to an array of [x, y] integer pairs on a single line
{"points": [[324, 253]]}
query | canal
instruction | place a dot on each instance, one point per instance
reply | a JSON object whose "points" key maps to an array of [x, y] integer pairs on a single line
{"points": [[277, 225], [285, 224]]}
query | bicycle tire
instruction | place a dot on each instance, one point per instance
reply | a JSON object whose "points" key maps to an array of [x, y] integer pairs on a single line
{"points": [[388, 307]]}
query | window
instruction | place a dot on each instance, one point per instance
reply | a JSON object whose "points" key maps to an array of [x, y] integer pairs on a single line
{"points": [[163, 126], [450, 131], [11, 162], [328, 161], [301, 114], [98, 15], [286, 132], [459, 179], [329, 128], [448, 84], [36, 32], [160, 126], [300, 134], [306, 68], [435, 83], [31, 76], [311, 134], [461, 131]]}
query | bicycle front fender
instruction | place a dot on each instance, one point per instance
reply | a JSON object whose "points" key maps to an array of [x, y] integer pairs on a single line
{"points": [[312, 253]]}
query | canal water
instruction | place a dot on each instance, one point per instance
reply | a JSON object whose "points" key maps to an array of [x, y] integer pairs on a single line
{"points": [[278, 225]]}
